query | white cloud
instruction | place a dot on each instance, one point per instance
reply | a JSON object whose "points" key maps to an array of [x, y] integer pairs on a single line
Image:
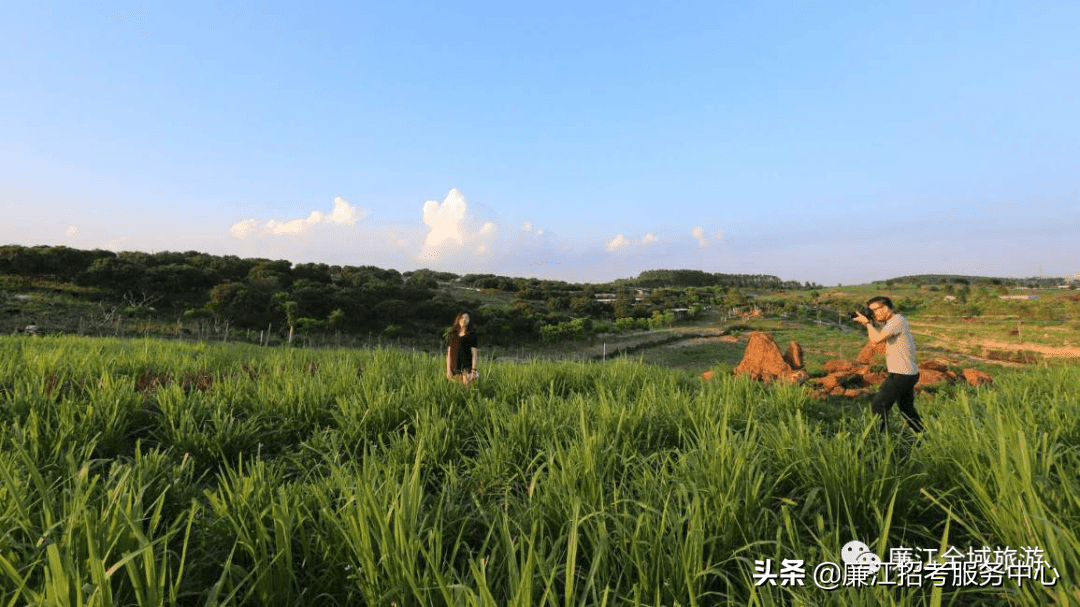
{"points": [[704, 239], [455, 235], [699, 234], [619, 242], [526, 227], [72, 232], [343, 213], [243, 229], [446, 222]]}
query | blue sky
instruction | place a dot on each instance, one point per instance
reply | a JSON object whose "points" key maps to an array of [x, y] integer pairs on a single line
{"points": [[831, 142]]}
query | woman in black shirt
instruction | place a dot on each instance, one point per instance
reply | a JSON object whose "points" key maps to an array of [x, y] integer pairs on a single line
{"points": [[461, 356]]}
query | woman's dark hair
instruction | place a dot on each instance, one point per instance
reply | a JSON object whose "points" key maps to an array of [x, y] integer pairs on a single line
{"points": [[456, 327], [885, 301], [454, 339]]}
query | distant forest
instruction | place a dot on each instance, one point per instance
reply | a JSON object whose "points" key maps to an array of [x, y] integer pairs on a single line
{"points": [[937, 279], [258, 294], [317, 298]]}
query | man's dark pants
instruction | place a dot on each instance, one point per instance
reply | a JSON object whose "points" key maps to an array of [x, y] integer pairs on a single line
{"points": [[899, 389]]}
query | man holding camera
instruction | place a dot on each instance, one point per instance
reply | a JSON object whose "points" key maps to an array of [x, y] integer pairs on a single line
{"points": [[899, 386]]}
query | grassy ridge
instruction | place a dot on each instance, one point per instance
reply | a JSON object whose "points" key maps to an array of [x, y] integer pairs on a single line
{"points": [[146, 472]]}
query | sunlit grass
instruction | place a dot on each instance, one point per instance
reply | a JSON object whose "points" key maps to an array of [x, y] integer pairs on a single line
{"points": [[149, 473]]}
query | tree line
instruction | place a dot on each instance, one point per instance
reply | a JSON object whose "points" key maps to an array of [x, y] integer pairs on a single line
{"points": [[259, 294]]}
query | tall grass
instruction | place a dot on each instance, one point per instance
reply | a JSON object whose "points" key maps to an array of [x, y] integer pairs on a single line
{"points": [[151, 473]]}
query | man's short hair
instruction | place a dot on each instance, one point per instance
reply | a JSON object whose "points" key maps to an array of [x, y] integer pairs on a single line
{"points": [[885, 301]]}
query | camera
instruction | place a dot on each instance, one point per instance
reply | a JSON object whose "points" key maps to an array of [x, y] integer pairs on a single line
{"points": [[864, 311]]}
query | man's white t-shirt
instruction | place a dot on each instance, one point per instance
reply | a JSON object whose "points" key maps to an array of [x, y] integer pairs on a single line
{"points": [[899, 346]]}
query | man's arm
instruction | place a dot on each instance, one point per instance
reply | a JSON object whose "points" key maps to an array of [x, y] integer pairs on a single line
{"points": [[875, 335]]}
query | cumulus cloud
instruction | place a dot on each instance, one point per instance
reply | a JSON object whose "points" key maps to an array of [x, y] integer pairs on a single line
{"points": [[704, 239], [526, 227], [699, 234], [453, 229], [619, 242], [343, 213], [72, 232], [446, 221]]}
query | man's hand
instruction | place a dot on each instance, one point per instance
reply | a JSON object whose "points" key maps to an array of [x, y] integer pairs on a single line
{"points": [[862, 320]]}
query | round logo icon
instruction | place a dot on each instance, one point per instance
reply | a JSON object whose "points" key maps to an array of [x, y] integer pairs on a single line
{"points": [[858, 553]]}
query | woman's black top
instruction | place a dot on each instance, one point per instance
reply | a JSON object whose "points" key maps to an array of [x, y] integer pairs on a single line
{"points": [[464, 353]]}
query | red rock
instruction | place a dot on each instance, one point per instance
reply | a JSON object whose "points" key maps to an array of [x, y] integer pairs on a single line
{"points": [[841, 365], [935, 365], [836, 380], [872, 378], [708, 375], [762, 359], [977, 378], [794, 356], [930, 377], [869, 351], [855, 392], [797, 377]]}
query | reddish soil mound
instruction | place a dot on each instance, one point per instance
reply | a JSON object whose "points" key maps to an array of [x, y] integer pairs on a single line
{"points": [[794, 356], [842, 365], [935, 365], [763, 360], [976, 378], [931, 377], [852, 379], [869, 351]]}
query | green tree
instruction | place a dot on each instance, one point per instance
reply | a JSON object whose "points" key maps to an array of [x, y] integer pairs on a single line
{"points": [[623, 305], [336, 320]]}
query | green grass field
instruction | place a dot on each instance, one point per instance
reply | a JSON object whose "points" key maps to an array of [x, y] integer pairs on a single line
{"points": [[146, 472]]}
